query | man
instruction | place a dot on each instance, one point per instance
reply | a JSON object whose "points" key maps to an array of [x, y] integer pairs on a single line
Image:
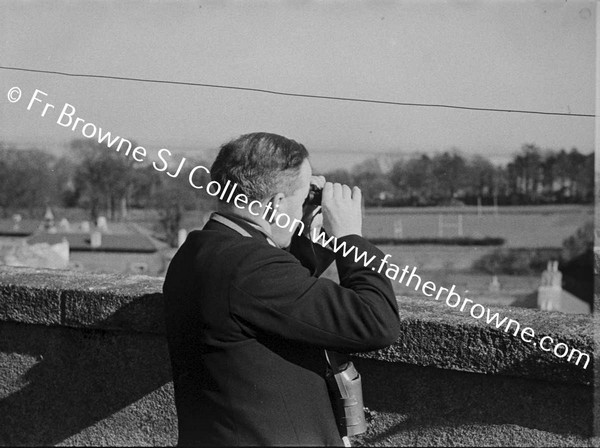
{"points": [[247, 318]]}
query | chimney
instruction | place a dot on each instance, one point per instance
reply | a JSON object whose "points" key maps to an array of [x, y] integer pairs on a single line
{"points": [[64, 225], [95, 239], [16, 220], [102, 224]]}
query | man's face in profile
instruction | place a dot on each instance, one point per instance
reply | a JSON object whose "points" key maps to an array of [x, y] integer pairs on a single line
{"points": [[291, 205]]}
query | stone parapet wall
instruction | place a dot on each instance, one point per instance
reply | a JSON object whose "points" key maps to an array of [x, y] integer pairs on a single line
{"points": [[84, 361]]}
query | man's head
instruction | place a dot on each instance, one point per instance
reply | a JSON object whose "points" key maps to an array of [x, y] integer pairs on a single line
{"points": [[270, 169]]}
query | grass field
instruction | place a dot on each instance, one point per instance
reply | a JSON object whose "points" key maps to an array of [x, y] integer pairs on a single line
{"points": [[451, 265], [532, 227], [524, 226], [527, 226]]}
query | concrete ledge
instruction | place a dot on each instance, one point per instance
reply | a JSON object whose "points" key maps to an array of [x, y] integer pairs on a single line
{"points": [[20, 303], [432, 334], [78, 299], [85, 362]]}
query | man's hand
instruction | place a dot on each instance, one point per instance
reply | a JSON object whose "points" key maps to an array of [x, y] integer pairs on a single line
{"points": [[319, 181], [342, 210]]}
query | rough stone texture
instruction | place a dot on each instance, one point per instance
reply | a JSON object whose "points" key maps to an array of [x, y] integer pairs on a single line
{"points": [[433, 334], [21, 303], [423, 406], [103, 301], [84, 387], [83, 361]]}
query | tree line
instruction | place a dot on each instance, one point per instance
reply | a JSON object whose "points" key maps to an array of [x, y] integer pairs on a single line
{"points": [[533, 176], [95, 178], [105, 182]]}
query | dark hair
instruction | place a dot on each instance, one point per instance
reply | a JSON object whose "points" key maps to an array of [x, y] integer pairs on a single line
{"points": [[261, 164]]}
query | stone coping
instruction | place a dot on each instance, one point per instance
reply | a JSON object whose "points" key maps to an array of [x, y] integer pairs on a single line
{"points": [[432, 334]]}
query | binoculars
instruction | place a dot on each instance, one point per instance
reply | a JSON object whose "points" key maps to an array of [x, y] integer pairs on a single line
{"points": [[315, 194]]}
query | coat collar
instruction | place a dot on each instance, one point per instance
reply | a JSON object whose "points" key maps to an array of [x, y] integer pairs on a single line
{"points": [[253, 229]]}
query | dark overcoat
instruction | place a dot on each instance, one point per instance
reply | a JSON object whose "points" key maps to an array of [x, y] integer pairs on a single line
{"points": [[247, 325]]}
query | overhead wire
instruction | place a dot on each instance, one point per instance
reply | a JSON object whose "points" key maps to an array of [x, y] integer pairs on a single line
{"points": [[293, 94]]}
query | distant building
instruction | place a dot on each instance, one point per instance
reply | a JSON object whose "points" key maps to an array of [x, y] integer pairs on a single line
{"points": [[121, 253], [42, 255], [12, 230], [123, 249], [552, 297]]}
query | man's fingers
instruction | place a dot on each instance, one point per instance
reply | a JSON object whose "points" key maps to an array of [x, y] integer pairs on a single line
{"points": [[328, 190], [342, 209], [337, 190], [346, 192], [319, 181], [357, 194]]}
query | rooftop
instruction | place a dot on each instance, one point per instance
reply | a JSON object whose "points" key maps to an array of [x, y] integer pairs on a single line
{"points": [[24, 228], [81, 242]]}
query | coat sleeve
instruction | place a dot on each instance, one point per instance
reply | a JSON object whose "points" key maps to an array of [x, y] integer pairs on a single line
{"points": [[312, 256], [273, 294]]}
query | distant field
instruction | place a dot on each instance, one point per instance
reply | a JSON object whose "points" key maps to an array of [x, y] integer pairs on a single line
{"points": [[543, 226], [523, 226], [527, 226]]}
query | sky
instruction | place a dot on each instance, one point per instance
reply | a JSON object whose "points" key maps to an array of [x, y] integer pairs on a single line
{"points": [[492, 54]]}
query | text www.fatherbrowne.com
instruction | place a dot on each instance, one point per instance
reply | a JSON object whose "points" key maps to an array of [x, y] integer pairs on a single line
{"points": [[452, 299]]}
